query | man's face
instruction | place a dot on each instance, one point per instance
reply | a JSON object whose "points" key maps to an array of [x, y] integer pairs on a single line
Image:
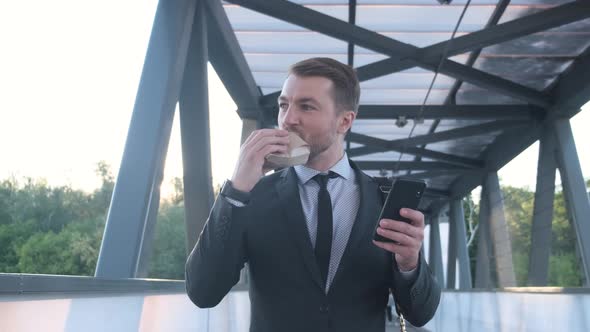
{"points": [[307, 107]]}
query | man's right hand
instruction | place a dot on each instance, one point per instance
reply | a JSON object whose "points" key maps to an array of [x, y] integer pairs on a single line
{"points": [[250, 166]]}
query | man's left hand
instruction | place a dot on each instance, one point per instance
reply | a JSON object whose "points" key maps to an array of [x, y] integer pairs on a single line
{"points": [[408, 238]]}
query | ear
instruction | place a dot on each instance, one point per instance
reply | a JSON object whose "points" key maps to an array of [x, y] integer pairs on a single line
{"points": [[345, 121]]}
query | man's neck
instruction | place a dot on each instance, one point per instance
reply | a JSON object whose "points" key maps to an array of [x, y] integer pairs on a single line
{"points": [[325, 160]]}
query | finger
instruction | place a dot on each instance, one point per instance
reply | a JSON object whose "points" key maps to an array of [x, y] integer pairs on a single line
{"points": [[403, 227], [259, 145], [272, 148], [401, 238], [415, 216], [257, 134], [393, 248]]}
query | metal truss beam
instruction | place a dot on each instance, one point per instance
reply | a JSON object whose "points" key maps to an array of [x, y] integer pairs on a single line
{"points": [[194, 127], [149, 130], [452, 95], [543, 212], [381, 144], [457, 228], [484, 245], [496, 34], [437, 173], [571, 92], [501, 245], [440, 112], [435, 251], [505, 148], [378, 145], [454, 112], [429, 192], [351, 20], [229, 62], [333, 27], [406, 165], [574, 189]]}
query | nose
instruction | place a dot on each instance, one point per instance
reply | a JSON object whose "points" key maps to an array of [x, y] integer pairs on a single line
{"points": [[289, 117]]}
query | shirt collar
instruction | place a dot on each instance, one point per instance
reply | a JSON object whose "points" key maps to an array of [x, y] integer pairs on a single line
{"points": [[342, 168]]}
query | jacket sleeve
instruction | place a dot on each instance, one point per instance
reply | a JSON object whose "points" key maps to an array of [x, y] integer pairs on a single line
{"points": [[214, 265], [417, 299]]}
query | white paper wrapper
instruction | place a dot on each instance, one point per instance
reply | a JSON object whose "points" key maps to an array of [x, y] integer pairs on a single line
{"points": [[298, 153]]}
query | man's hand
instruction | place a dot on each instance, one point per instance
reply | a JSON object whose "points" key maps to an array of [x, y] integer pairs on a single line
{"points": [[259, 144], [408, 237]]}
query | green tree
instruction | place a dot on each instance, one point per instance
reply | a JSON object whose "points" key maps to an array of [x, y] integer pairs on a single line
{"points": [[72, 251], [564, 267], [169, 255], [12, 237], [564, 264], [47, 229]]}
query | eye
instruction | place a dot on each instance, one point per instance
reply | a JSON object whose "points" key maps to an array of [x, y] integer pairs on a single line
{"points": [[283, 106], [307, 107]]}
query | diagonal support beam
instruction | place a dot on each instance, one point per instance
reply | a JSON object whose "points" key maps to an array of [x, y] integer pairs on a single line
{"points": [[573, 88], [385, 144], [545, 20], [229, 62], [336, 28], [193, 106], [454, 112], [474, 130], [351, 20], [441, 112], [571, 92], [452, 95], [462, 132], [407, 165], [437, 173], [147, 138]]}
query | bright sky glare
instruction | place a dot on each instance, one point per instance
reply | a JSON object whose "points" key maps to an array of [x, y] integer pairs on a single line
{"points": [[69, 76]]}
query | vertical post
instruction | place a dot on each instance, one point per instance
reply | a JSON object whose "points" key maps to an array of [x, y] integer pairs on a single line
{"points": [[543, 212], [574, 189], [149, 129], [194, 130], [462, 254], [452, 250], [435, 252], [500, 235], [147, 243], [482, 267]]}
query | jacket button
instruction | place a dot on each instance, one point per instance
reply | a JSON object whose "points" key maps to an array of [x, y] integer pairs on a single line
{"points": [[324, 309]]}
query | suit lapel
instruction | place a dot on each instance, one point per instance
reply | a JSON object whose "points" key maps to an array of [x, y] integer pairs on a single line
{"points": [[290, 201], [364, 223]]}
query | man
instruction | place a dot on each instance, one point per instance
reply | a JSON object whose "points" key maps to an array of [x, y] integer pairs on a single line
{"points": [[307, 238]]}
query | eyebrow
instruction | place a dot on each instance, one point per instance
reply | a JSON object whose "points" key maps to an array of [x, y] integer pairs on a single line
{"points": [[300, 100]]}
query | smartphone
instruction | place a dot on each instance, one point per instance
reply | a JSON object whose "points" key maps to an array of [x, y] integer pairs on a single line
{"points": [[404, 193]]}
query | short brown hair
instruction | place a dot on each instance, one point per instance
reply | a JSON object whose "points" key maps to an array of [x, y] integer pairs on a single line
{"points": [[346, 84]]}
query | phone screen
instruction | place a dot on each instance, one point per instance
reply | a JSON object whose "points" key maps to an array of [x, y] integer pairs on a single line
{"points": [[405, 193]]}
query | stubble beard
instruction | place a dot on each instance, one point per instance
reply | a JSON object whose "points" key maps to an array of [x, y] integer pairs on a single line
{"points": [[317, 147]]}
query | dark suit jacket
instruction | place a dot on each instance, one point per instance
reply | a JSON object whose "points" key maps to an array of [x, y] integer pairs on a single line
{"points": [[286, 293]]}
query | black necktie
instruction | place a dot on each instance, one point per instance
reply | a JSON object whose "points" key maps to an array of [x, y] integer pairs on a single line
{"points": [[323, 242]]}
